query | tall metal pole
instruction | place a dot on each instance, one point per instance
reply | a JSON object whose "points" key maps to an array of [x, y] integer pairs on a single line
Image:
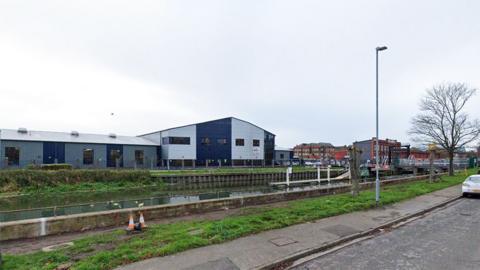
{"points": [[377, 178], [377, 148]]}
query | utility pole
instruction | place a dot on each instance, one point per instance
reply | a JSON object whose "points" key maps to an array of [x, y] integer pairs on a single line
{"points": [[377, 166]]}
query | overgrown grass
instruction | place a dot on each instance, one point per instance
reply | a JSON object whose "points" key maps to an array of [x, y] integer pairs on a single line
{"points": [[24, 181], [113, 249]]}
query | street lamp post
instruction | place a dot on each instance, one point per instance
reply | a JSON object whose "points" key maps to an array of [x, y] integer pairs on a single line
{"points": [[377, 165]]}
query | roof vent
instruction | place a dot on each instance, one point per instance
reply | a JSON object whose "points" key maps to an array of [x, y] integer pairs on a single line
{"points": [[74, 133], [22, 130], [112, 135]]}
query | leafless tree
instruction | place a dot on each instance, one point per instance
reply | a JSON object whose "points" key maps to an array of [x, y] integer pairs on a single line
{"points": [[442, 120]]}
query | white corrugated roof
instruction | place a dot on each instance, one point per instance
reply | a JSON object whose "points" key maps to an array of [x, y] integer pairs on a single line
{"points": [[51, 136], [277, 148], [231, 117]]}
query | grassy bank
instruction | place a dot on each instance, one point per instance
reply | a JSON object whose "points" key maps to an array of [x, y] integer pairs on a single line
{"points": [[41, 181], [115, 248]]}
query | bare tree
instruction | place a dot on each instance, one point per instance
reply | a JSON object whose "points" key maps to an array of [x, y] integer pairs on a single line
{"points": [[442, 120]]}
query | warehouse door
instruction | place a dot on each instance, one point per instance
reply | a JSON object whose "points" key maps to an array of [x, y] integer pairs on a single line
{"points": [[53, 152], [114, 155]]}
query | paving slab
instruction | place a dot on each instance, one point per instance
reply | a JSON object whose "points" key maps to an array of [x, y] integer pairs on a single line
{"points": [[255, 251]]}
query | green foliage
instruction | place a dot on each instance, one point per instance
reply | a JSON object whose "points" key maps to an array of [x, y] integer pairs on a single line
{"points": [[50, 167], [32, 180], [165, 239]]}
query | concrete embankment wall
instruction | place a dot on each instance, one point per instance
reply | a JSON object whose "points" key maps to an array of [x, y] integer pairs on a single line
{"points": [[82, 222], [238, 179]]}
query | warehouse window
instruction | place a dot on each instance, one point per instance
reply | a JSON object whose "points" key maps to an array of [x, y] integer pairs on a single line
{"points": [[12, 155], [178, 140], [239, 142], [222, 141], [139, 156], [165, 140], [282, 156], [87, 156], [205, 141], [256, 142]]}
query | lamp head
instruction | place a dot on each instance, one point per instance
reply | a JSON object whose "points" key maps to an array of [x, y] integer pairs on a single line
{"points": [[381, 48]]}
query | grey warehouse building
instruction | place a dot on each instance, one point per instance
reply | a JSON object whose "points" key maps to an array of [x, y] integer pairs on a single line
{"points": [[283, 156], [22, 147], [223, 142]]}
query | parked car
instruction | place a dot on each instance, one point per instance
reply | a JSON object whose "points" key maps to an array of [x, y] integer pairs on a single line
{"points": [[471, 185]]}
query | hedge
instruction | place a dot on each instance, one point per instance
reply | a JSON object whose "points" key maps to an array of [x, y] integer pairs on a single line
{"points": [[15, 180], [50, 167]]}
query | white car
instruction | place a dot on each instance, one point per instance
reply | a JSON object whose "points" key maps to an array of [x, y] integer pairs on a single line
{"points": [[471, 185]]}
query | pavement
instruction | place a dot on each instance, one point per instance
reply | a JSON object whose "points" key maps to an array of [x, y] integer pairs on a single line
{"points": [[264, 249], [447, 238]]}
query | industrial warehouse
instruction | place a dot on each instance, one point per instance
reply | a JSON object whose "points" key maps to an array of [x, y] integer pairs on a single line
{"points": [[223, 142]]}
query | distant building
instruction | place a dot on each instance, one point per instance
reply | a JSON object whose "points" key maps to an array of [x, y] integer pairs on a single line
{"points": [[368, 149], [418, 154], [314, 151], [283, 156], [341, 153]]}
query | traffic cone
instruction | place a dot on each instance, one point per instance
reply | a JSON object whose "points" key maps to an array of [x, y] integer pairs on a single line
{"points": [[131, 225], [142, 221]]}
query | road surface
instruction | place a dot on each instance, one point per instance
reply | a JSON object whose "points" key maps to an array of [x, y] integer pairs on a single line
{"points": [[446, 239]]}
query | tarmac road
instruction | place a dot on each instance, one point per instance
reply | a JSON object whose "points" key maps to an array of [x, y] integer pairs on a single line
{"points": [[448, 238]]}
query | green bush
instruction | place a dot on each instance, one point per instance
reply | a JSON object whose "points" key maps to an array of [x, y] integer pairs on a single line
{"points": [[50, 167], [16, 180]]}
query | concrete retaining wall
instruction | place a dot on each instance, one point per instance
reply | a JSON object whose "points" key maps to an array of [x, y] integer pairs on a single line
{"points": [[82, 222], [237, 179]]}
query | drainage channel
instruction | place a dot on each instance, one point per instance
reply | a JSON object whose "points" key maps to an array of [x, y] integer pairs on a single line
{"points": [[88, 207]]}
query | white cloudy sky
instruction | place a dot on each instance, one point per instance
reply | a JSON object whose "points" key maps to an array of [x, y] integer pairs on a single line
{"points": [[303, 70]]}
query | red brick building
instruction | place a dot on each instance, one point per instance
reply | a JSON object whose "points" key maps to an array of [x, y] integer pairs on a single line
{"points": [[314, 151], [341, 153], [418, 154]]}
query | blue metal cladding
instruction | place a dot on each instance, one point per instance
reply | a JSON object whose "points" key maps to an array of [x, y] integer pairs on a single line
{"points": [[219, 134], [159, 155], [269, 148], [111, 162], [53, 152]]}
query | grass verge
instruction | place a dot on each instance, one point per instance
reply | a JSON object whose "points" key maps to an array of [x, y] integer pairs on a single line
{"points": [[115, 248]]}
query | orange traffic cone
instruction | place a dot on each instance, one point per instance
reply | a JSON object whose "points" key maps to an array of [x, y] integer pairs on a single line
{"points": [[142, 221], [131, 225]]}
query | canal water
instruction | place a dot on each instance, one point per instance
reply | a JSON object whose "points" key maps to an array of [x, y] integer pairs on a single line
{"points": [[50, 205]]}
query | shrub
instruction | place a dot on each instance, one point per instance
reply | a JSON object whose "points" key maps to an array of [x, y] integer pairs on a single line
{"points": [[16, 180], [56, 167], [49, 167]]}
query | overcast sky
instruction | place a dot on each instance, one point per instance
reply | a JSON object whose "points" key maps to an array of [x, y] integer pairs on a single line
{"points": [[304, 70]]}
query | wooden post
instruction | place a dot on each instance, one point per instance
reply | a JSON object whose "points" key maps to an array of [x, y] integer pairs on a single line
{"points": [[328, 173], [318, 174], [354, 167], [431, 176]]}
